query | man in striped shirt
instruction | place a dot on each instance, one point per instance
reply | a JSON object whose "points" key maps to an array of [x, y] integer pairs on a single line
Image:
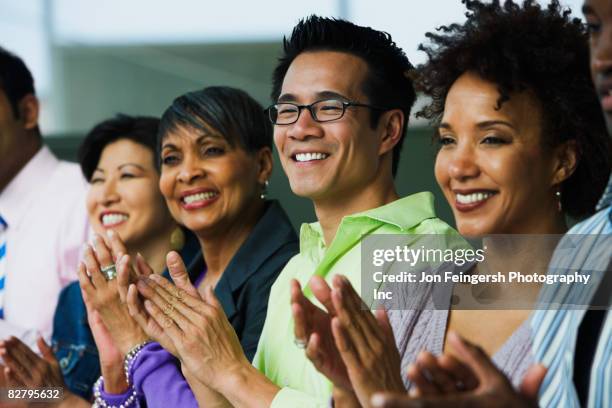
{"points": [[579, 374]]}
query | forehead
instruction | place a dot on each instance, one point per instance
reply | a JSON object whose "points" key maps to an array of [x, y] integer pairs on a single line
{"points": [[315, 72], [186, 134], [125, 151], [475, 98], [601, 7]]}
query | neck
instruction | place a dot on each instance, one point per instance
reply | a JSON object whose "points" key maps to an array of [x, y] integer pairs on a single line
{"points": [[331, 211], [219, 248], [155, 250], [12, 164]]}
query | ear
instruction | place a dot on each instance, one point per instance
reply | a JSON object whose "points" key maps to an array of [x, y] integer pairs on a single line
{"points": [[566, 160], [28, 111], [392, 123], [264, 164]]}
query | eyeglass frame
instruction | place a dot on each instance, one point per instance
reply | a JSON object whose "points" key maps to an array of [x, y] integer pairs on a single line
{"points": [[345, 104]]}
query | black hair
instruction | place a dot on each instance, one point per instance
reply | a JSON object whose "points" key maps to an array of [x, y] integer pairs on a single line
{"points": [[528, 48], [15, 79], [230, 112], [139, 129], [387, 83]]}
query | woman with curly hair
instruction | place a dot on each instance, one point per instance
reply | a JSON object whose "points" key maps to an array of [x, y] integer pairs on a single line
{"points": [[522, 144]]}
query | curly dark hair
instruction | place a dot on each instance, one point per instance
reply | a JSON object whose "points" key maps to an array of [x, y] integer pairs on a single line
{"points": [[528, 47], [386, 83]]}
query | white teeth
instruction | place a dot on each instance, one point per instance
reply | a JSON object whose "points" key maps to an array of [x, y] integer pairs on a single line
{"points": [[472, 198], [112, 219], [199, 197], [304, 157]]}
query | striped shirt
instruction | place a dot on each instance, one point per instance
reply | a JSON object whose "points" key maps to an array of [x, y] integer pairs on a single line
{"points": [[587, 249]]}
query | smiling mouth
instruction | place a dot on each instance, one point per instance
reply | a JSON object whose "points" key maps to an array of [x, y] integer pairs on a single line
{"points": [[113, 219], [198, 198], [309, 157], [473, 198]]}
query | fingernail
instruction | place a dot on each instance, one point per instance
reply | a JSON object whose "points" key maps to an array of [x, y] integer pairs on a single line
{"points": [[110, 233], [148, 304], [377, 400], [155, 278]]}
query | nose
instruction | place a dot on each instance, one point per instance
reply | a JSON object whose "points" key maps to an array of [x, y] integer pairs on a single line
{"points": [[601, 51], [305, 127], [191, 170], [109, 194], [462, 164]]}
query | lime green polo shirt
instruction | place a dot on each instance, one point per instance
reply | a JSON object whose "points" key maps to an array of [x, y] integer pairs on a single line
{"points": [[302, 386]]}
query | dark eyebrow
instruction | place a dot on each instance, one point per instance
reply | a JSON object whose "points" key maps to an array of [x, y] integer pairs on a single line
{"points": [[319, 96], [131, 164], [482, 125], [490, 123]]}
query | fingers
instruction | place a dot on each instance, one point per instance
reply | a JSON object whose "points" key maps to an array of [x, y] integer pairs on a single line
{"points": [[350, 322], [93, 267], [313, 351], [530, 386], [171, 292], [343, 344], [103, 253], [440, 379], [17, 359], [179, 275], [464, 377], [124, 276], [85, 283], [420, 380], [473, 357], [387, 400], [45, 350], [170, 306], [322, 291], [116, 244], [143, 267], [166, 323]]}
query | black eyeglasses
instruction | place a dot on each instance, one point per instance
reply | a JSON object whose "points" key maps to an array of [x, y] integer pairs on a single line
{"points": [[286, 113]]}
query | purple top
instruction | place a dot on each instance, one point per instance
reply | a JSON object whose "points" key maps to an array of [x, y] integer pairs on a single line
{"points": [[156, 376]]}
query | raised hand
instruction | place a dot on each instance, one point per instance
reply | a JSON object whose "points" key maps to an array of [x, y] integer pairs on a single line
{"points": [[432, 375], [366, 344], [23, 367], [179, 274], [197, 326], [493, 388], [312, 329], [103, 296]]}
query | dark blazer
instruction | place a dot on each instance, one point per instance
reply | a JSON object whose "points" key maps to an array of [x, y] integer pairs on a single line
{"points": [[245, 285]]}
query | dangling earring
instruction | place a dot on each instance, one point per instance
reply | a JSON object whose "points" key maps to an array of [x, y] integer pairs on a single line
{"points": [[558, 196], [177, 239], [264, 190]]}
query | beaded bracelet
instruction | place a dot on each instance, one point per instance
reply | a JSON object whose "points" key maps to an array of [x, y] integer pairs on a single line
{"points": [[130, 357], [99, 401]]}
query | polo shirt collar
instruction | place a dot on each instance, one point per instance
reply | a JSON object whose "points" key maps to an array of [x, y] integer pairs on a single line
{"points": [[404, 213]]}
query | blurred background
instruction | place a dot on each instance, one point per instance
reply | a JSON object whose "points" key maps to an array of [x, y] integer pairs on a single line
{"points": [[92, 59]]}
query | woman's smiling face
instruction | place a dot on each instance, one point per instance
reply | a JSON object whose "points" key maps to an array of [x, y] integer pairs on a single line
{"points": [[492, 166], [124, 193], [207, 183]]}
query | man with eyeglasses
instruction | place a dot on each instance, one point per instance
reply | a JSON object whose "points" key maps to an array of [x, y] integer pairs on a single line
{"points": [[342, 100]]}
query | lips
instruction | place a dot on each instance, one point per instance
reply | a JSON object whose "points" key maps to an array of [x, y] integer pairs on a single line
{"points": [[198, 198], [469, 200], [110, 219], [604, 89]]}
